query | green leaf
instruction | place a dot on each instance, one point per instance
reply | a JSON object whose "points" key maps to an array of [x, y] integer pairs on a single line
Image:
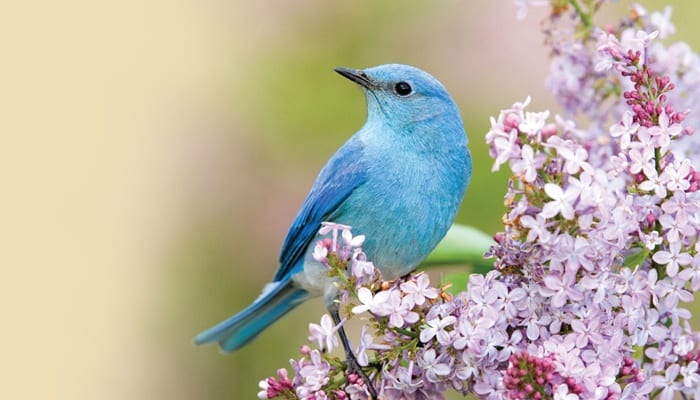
{"points": [[636, 257], [457, 280], [462, 245]]}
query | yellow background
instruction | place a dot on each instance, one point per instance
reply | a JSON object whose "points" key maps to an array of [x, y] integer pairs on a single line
{"points": [[154, 152]]}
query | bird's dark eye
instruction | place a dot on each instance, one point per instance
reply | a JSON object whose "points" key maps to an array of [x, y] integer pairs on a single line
{"points": [[403, 89]]}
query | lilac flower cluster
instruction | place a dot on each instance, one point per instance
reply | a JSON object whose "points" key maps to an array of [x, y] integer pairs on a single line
{"points": [[526, 377], [602, 224], [587, 73], [598, 258], [397, 309]]}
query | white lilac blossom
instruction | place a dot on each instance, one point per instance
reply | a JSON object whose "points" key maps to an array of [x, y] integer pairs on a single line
{"points": [[598, 258], [324, 334]]}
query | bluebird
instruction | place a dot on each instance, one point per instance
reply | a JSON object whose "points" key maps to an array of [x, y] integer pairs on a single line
{"points": [[399, 181]]}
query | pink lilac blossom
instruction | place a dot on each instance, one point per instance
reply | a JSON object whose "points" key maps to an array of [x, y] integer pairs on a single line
{"points": [[598, 257]]}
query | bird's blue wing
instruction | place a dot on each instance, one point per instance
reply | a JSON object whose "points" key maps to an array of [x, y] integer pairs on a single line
{"points": [[341, 175]]}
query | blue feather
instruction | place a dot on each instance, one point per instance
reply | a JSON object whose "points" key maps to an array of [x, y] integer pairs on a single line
{"points": [[343, 173], [243, 327]]}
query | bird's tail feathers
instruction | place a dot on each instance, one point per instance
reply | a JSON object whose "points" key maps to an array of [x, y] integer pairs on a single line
{"points": [[277, 299]]}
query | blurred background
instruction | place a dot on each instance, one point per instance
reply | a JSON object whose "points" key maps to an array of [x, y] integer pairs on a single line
{"points": [[154, 153]]}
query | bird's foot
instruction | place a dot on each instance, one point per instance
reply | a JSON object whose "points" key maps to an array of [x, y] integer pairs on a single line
{"points": [[354, 367], [350, 359]]}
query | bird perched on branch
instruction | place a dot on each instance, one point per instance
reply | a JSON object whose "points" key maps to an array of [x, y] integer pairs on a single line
{"points": [[398, 181]]}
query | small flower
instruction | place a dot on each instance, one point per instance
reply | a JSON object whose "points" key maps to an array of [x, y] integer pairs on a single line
{"points": [[665, 130], [651, 239], [640, 159], [436, 327], [608, 53], [650, 327], [691, 375], [324, 334], [676, 292], [561, 288], [533, 122], [692, 273], [537, 228], [332, 228], [667, 382], [673, 258], [676, 176], [418, 289], [400, 310], [638, 41], [403, 381], [680, 205], [504, 147], [662, 22], [376, 304], [362, 268], [527, 165], [562, 202], [328, 227], [352, 241], [264, 386], [625, 129], [587, 332], [675, 227], [574, 159], [653, 183], [273, 387], [432, 365], [367, 343], [662, 355], [313, 373], [562, 393], [320, 253]]}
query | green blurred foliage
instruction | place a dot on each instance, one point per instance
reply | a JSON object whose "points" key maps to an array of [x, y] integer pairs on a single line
{"points": [[462, 245], [291, 113]]}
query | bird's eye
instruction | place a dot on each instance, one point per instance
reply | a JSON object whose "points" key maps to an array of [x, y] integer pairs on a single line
{"points": [[403, 89]]}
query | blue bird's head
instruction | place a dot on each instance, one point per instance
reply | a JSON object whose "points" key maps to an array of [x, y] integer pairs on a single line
{"points": [[402, 96]]}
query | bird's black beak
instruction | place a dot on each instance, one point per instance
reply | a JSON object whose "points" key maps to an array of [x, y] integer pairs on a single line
{"points": [[356, 75]]}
